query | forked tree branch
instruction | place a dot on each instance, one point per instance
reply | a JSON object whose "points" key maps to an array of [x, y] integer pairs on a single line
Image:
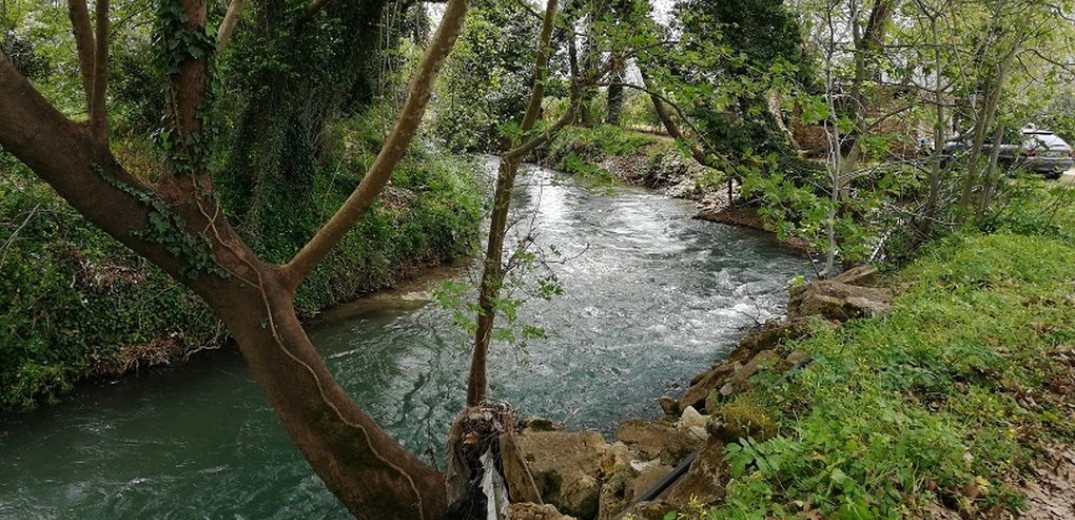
{"points": [[227, 25], [524, 149], [394, 148], [83, 32], [99, 98]]}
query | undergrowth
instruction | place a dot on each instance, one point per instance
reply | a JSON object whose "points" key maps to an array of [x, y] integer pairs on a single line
{"points": [[77, 304], [947, 400]]}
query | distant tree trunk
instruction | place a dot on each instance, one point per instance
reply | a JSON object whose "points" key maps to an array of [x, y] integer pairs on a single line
{"points": [[939, 127], [273, 154], [989, 181], [615, 91], [994, 88]]}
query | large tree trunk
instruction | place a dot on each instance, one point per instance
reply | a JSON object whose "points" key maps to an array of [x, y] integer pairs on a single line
{"points": [[371, 474], [191, 239]]}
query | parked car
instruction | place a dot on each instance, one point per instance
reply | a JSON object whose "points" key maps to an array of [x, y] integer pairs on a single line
{"points": [[1041, 151]]}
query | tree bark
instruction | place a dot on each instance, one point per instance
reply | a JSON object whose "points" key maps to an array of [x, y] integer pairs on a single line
{"points": [[990, 178], [83, 32], [231, 19], [615, 92], [98, 100]]}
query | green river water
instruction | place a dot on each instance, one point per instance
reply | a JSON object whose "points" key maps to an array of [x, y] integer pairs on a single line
{"points": [[651, 297]]}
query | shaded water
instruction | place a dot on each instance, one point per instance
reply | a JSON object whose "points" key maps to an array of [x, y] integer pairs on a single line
{"points": [[651, 297]]}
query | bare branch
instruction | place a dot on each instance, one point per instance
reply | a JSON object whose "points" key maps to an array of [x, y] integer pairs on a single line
{"points": [[227, 25], [394, 148], [99, 98], [80, 27]]}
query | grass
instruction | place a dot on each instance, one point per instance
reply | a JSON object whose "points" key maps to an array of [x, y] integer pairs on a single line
{"points": [[948, 399]]}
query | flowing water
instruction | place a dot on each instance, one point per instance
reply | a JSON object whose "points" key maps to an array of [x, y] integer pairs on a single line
{"points": [[650, 298]]}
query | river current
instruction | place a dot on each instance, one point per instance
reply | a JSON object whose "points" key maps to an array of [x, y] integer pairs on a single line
{"points": [[650, 298]]}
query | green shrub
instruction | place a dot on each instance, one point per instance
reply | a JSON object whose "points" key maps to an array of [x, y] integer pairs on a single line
{"points": [[76, 302]]}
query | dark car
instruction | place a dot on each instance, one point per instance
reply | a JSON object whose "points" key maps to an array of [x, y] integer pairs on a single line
{"points": [[1041, 151]]}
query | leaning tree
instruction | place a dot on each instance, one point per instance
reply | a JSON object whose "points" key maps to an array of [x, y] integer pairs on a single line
{"points": [[177, 223]]}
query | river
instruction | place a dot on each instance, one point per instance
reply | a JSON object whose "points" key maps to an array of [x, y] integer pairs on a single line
{"points": [[650, 298]]}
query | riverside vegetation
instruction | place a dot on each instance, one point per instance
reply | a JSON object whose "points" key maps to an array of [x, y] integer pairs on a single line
{"points": [[957, 401], [263, 161], [80, 306]]}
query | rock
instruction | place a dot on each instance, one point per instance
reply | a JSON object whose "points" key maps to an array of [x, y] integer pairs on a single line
{"points": [[838, 301], [699, 432], [712, 401], [863, 276], [703, 482], [540, 424], [517, 477], [767, 337], [615, 495], [712, 379], [657, 440], [797, 359], [616, 457], [740, 378], [655, 510], [670, 405], [691, 417], [647, 478], [565, 467], [529, 511]]}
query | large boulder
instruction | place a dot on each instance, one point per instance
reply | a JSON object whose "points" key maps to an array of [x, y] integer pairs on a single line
{"points": [[838, 301], [658, 440], [627, 484], [704, 481], [566, 468]]}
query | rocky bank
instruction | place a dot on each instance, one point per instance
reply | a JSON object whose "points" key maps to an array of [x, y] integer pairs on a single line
{"points": [[676, 463]]}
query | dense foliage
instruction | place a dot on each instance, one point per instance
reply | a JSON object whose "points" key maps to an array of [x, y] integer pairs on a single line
{"points": [[80, 305], [488, 77]]}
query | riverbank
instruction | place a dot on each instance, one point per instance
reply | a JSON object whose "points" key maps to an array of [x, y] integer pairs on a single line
{"points": [[653, 161], [955, 399], [81, 307], [957, 402]]}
